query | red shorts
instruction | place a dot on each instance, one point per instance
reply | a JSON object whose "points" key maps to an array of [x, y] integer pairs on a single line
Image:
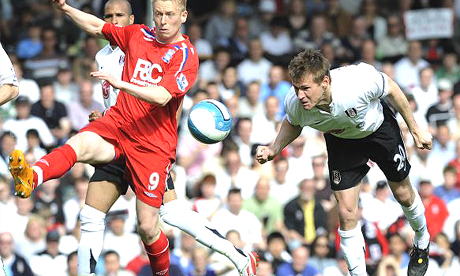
{"points": [[146, 170]]}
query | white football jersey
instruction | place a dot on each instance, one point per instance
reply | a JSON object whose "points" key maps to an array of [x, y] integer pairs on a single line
{"points": [[355, 110], [111, 61], [7, 75]]}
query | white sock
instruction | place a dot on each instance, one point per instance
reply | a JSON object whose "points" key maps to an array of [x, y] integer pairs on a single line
{"points": [[353, 246], [197, 226], [91, 239], [415, 214], [39, 173]]}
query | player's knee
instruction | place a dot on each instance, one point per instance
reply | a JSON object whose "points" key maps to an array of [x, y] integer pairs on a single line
{"points": [[148, 227], [348, 214], [92, 220]]}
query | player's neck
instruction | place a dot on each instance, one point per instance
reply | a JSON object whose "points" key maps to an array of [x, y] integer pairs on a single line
{"points": [[175, 39], [325, 100]]}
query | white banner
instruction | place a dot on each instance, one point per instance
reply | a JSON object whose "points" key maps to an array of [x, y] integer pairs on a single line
{"points": [[429, 23]]}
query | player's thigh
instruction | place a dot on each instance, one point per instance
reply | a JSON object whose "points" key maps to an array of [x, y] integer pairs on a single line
{"points": [[91, 148], [102, 195]]}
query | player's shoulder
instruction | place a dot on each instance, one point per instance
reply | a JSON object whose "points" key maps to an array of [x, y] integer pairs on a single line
{"points": [[183, 52], [291, 98]]}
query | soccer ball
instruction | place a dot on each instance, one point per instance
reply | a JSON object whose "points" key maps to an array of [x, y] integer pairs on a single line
{"points": [[209, 121]]}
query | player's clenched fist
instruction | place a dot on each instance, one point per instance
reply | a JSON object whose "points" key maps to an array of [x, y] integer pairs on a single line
{"points": [[58, 3], [264, 154]]}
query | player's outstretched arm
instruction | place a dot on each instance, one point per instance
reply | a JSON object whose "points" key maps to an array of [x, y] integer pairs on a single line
{"points": [[87, 22], [422, 138], [155, 95], [287, 134], [8, 92]]}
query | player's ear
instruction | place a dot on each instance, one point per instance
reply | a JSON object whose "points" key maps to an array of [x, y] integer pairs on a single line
{"points": [[326, 81], [131, 19], [183, 17]]}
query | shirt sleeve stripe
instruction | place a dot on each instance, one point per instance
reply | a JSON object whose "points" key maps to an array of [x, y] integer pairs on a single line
{"points": [[383, 86], [184, 60]]}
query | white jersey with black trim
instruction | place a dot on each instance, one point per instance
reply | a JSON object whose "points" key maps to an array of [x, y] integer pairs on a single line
{"points": [[7, 75], [355, 110], [111, 61]]}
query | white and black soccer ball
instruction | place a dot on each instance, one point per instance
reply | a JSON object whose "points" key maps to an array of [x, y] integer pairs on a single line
{"points": [[209, 121]]}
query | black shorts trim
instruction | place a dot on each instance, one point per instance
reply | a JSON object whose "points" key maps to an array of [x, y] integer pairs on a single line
{"points": [[347, 158]]}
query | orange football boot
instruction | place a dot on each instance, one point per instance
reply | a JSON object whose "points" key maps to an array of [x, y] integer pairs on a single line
{"points": [[23, 174]]}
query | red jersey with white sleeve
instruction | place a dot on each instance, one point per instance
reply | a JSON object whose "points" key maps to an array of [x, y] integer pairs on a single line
{"points": [[150, 63], [145, 134]]}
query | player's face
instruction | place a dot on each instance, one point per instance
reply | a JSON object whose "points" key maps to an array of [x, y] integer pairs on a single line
{"points": [[310, 93], [168, 19], [118, 14]]}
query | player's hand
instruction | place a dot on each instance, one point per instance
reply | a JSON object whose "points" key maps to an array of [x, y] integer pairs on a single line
{"points": [[95, 114], [423, 139], [59, 3], [108, 78], [264, 154]]}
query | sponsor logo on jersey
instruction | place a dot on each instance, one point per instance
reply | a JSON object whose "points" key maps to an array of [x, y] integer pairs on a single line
{"points": [[105, 89], [149, 194], [336, 177], [146, 73], [182, 82], [168, 56], [351, 112]]}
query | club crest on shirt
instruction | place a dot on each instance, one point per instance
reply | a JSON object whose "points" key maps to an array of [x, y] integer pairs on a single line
{"points": [[351, 112], [167, 57], [122, 60], [105, 89], [336, 177]]}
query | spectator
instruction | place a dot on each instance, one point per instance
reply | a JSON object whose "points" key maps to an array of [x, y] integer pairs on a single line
{"points": [[300, 165], [440, 112], [447, 192], [368, 54], [238, 42], [222, 265], [211, 70], [14, 264], [235, 175], [50, 261], [31, 45], [425, 94], [34, 238], [255, 67], [44, 67], [136, 264], [276, 253], [8, 144], [276, 86], [230, 85], [25, 121], [34, 144], [443, 151], [280, 187], [393, 45], [407, 69], [207, 202], [200, 259], [449, 69], [448, 262], [65, 88], [259, 24], [321, 254], [73, 206], [304, 217], [113, 266], [27, 87], [85, 62], [264, 125], [48, 204], [454, 122], [299, 264], [338, 20], [19, 218], [265, 268], [80, 110], [249, 105], [398, 258], [203, 47], [456, 163], [235, 218], [53, 112], [322, 184], [266, 208], [182, 256], [436, 211], [117, 239], [221, 24], [296, 17], [72, 264], [243, 140], [276, 40], [376, 25], [340, 270], [353, 43]]}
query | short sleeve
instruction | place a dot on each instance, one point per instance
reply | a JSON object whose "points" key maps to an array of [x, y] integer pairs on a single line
{"points": [[118, 35], [378, 81], [7, 75], [182, 73], [291, 108]]}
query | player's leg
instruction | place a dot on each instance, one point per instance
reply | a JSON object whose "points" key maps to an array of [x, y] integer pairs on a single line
{"points": [[100, 197], [86, 147], [199, 227], [351, 238], [155, 241]]}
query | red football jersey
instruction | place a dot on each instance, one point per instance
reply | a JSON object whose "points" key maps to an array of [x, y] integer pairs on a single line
{"points": [[150, 63]]}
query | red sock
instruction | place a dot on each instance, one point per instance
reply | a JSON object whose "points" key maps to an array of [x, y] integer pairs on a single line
{"points": [[55, 164], [158, 253]]}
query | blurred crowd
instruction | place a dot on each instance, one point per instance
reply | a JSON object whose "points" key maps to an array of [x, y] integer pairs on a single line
{"points": [[284, 209]]}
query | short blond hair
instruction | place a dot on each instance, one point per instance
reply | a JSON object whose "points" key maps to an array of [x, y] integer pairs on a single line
{"points": [[182, 3]]}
